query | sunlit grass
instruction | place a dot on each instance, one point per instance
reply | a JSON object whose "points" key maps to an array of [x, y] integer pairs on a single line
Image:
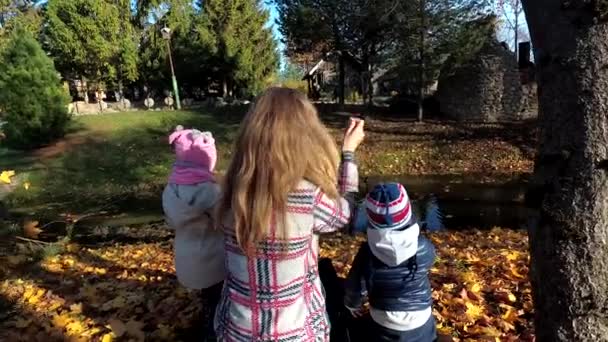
{"points": [[126, 155]]}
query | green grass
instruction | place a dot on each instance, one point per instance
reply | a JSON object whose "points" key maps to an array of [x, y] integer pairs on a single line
{"points": [[113, 157], [125, 157]]}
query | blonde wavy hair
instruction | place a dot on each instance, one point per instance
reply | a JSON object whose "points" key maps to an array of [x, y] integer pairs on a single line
{"points": [[280, 143]]}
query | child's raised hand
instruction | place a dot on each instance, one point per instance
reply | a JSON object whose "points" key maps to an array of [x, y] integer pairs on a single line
{"points": [[354, 135]]}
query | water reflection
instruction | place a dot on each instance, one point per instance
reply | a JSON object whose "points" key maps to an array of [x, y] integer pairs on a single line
{"points": [[456, 202], [430, 216]]}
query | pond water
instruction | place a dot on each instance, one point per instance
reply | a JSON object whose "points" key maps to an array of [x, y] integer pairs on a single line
{"points": [[449, 202], [456, 202]]}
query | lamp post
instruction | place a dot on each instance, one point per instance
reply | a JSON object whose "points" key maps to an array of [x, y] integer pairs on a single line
{"points": [[166, 33]]}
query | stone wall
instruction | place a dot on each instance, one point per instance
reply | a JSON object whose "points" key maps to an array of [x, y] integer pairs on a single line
{"points": [[486, 89]]}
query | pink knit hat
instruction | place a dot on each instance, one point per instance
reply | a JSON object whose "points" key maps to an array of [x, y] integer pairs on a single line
{"points": [[195, 156]]}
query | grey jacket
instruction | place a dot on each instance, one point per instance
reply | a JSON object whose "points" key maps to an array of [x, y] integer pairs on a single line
{"points": [[199, 248]]}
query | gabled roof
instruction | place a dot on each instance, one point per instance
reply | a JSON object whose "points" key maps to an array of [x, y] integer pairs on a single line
{"points": [[312, 71]]}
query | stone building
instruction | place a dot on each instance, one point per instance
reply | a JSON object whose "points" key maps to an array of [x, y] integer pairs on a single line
{"points": [[491, 87]]}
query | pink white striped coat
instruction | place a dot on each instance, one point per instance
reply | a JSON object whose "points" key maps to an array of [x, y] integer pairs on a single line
{"points": [[277, 295]]}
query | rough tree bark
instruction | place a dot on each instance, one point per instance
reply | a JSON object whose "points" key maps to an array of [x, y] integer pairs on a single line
{"points": [[569, 237]]}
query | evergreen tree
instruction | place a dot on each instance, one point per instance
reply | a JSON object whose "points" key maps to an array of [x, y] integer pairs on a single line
{"points": [[309, 28], [19, 13], [91, 39], [32, 99], [241, 47]]}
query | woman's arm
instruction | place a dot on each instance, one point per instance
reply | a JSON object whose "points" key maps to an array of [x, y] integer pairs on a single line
{"points": [[331, 215]]}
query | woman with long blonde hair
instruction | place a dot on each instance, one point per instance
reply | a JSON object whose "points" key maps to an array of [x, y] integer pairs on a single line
{"points": [[285, 184]]}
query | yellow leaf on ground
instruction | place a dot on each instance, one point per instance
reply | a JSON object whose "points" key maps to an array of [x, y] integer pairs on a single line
{"points": [[516, 273], [31, 229], [100, 271], [54, 306], [68, 261], [76, 328], [76, 308], [107, 337], [5, 176], [26, 185], [61, 321], [118, 327], [474, 311], [512, 255], [29, 291], [33, 300], [510, 314]]}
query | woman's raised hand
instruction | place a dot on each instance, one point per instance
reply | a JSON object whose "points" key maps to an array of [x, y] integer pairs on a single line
{"points": [[354, 135]]}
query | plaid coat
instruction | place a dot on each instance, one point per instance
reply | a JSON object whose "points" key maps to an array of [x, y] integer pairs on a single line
{"points": [[277, 294]]}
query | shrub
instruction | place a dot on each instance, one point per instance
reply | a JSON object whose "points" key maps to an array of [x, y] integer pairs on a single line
{"points": [[32, 98]]}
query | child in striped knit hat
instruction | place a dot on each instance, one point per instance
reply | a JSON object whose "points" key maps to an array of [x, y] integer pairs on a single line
{"points": [[392, 269], [188, 200]]}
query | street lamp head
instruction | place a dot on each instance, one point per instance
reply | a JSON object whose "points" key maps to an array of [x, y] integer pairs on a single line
{"points": [[166, 32]]}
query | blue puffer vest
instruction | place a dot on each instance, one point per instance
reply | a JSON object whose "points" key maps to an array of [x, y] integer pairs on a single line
{"points": [[405, 287]]}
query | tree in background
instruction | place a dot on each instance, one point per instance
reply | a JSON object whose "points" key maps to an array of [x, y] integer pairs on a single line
{"points": [[415, 37], [291, 77], [511, 13], [428, 32], [241, 48], [33, 100], [371, 36], [568, 238], [309, 29], [179, 16], [358, 29], [312, 29], [90, 39], [19, 13]]}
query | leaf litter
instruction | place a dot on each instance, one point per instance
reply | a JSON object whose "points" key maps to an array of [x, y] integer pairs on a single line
{"points": [[128, 292]]}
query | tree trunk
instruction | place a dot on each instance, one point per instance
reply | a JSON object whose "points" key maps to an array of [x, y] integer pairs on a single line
{"points": [[421, 63], [120, 92], [569, 235], [516, 38], [370, 85], [341, 78]]}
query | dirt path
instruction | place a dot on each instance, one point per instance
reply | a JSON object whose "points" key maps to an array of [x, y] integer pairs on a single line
{"points": [[57, 148]]}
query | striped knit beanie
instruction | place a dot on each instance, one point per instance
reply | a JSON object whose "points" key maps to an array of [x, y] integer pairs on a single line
{"points": [[388, 207]]}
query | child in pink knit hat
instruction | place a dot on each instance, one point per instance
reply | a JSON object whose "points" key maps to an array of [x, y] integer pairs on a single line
{"points": [[188, 200]]}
